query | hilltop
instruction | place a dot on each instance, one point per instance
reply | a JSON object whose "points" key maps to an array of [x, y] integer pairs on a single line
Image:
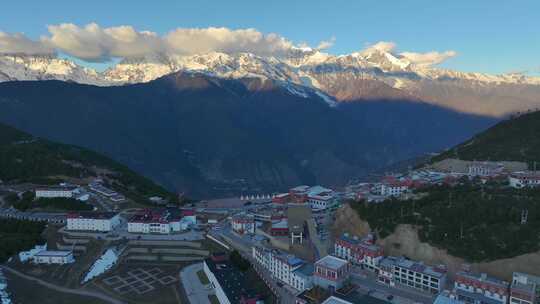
{"points": [[25, 158], [515, 139]]}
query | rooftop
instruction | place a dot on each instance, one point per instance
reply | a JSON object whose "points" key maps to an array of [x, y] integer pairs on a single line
{"points": [[482, 277], [421, 267], [305, 270], [331, 262], [158, 215], [232, 280], [53, 253], [92, 215]]}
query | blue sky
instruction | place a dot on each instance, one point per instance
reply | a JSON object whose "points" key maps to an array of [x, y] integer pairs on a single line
{"points": [[489, 36]]}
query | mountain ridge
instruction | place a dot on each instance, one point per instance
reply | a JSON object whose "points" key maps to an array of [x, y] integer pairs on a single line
{"points": [[363, 75], [196, 133]]}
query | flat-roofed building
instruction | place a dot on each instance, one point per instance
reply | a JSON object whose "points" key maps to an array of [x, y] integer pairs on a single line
{"points": [[524, 179], [92, 221], [55, 192], [53, 257], [419, 276], [474, 288], [331, 272], [525, 289]]}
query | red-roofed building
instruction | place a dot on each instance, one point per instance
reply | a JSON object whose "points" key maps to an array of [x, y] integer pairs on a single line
{"points": [[360, 252]]}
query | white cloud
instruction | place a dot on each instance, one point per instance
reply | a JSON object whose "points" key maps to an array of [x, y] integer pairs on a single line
{"points": [[429, 58], [419, 59], [97, 44], [382, 46], [212, 39], [20, 44], [93, 43]]}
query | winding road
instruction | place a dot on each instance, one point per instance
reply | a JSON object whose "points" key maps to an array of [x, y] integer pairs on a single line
{"points": [[79, 292]]}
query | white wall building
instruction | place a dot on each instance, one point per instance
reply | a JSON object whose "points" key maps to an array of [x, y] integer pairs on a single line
{"points": [[161, 221], [92, 221], [54, 192], [525, 289], [393, 189], [286, 268], [243, 223], [53, 257], [520, 180]]}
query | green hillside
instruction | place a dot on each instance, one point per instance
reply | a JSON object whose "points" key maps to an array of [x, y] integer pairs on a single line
{"points": [[24, 158], [516, 139], [475, 222]]}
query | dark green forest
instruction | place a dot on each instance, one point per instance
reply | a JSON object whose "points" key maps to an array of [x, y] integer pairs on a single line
{"points": [[24, 158], [516, 139], [18, 235]]}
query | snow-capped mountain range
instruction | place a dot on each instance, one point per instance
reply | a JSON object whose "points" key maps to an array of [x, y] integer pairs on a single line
{"points": [[371, 74]]}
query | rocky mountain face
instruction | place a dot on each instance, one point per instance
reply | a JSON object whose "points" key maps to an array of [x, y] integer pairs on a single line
{"points": [[367, 75], [215, 136]]}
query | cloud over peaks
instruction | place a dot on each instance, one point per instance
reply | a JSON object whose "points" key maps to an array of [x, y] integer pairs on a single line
{"points": [[429, 58], [19, 44], [93, 43]]}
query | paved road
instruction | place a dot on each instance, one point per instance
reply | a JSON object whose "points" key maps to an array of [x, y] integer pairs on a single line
{"points": [[195, 290], [79, 292], [369, 283]]}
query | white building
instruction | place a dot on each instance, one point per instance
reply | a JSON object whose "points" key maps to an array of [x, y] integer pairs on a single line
{"points": [[92, 221], [25, 256], [484, 169], [55, 192], [520, 180], [393, 189], [525, 289], [161, 221], [243, 223], [53, 257], [419, 276], [285, 268]]}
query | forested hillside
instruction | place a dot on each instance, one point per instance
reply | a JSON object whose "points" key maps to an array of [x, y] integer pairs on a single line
{"points": [[515, 139], [24, 158], [478, 223]]}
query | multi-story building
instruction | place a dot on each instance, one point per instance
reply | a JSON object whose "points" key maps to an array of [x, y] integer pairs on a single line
{"points": [[520, 180], [286, 268], [395, 188], [447, 297], [385, 274], [473, 288], [317, 197], [92, 221], [243, 223], [484, 169], [393, 270], [331, 272], [361, 252], [525, 289], [417, 275], [161, 221], [54, 192], [53, 257]]}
